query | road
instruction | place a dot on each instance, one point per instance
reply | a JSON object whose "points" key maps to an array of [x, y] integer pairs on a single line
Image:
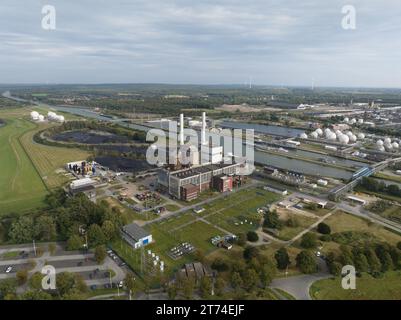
{"points": [[298, 286]]}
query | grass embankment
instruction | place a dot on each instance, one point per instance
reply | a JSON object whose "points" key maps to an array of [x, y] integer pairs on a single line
{"points": [[367, 288]]}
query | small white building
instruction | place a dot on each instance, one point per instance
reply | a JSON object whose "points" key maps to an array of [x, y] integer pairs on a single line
{"points": [[135, 235]]}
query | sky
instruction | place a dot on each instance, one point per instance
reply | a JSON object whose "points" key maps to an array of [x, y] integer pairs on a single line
{"points": [[271, 42]]}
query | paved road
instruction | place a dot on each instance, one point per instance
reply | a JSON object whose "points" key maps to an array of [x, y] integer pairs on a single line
{"points": [[298, 286]]}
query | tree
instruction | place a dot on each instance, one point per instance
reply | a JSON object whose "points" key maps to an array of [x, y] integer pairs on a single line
{"points": [[100, 254], [22, 230], [74, 243], [346, 257], [35, 295], [335, 268], [96, 236], [309, 241], [236, 280], [70, 283], [172, 291], [272, 220], [110, 230], [282, 258], [250, 252], [384, 257], [373, 261], [361, 263], [220, 265], [205, 287], [35, 282], [188, 286], [267, 272], [306, 262], [22, 276], [323, 228], [130, 282], [7, 287], [252, 236], [219, 286], [251, 279], [45, 228]]}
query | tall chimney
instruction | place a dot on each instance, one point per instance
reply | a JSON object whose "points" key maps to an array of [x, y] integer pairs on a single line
{"points": [[181, 129], [203, 127]]}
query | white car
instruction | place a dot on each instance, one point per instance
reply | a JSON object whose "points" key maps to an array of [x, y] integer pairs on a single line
{"points": [[120, 284], [8, 270], [318, 254]]}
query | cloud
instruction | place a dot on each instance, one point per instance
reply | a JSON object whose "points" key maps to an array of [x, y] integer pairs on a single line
{"points": [[221, 41]]}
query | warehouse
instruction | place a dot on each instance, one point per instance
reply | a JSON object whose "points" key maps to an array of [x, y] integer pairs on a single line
{"points": [[82, 185], [135, 235]]}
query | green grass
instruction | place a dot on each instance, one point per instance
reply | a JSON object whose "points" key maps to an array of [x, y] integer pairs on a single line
{"points": [[287, 233], [367, 288], [10, 255], [20, 183], [229, 212], [285, 294], [28, 169]]}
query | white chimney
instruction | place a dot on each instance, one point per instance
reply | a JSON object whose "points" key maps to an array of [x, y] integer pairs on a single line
{"points": [[181, 128], [203, 127]]}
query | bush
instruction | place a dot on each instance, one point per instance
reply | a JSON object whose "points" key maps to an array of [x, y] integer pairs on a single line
{"points": [[252, 236], [292, 222], [325, 238], [323, 228], [306, 262], [250, 253], [309, 241], [220, 265]]}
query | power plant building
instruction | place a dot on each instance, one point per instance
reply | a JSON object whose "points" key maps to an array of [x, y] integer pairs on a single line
{"points": [[181, 183]]}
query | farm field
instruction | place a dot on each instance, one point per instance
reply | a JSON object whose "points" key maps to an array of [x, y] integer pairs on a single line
{"points": [[367, 288]]}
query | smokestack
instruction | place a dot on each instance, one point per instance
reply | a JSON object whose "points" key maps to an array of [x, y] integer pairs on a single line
{"points": [[203, 127], [181, 128]]}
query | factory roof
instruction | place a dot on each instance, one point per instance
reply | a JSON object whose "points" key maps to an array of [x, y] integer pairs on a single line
{"points": [[135, 231], [201, 169]]}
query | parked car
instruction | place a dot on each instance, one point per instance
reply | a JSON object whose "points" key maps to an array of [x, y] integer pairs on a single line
{"points": [[9, 269], [93, 287]]}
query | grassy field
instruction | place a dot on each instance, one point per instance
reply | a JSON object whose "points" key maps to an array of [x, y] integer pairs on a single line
{"points": [[48, 159], [367, 288], [28, 169], [340, 222], [287, 233], [238, 212], [20, 183]]}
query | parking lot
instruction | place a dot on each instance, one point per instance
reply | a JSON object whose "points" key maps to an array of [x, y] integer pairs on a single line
{"points": [[13, 259]]}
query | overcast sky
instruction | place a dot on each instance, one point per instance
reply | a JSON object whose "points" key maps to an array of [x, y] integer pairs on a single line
{"points": [[278, 42]]}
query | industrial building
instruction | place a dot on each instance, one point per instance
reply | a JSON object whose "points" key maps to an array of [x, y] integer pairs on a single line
{"points": [[186, 184], [135, 235], [82, 185]]}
